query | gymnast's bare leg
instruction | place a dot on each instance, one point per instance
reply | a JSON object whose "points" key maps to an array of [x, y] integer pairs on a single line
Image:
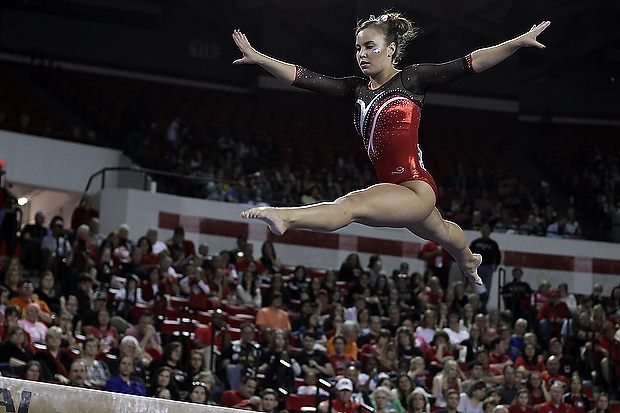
{"points": [[408, 205]]}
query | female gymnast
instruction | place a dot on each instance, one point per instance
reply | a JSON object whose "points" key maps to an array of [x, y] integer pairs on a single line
{"points": [[387, 115]]}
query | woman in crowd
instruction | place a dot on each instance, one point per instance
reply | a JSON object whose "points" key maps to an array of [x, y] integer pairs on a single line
{"points": [[172, 357], [530, 360], [199, 393], [47, 291], [123, 383], [575, 396], [248, 292], [537, 390], [381, 397], [33, 371], [163, 379], [14, 349], [417, 401], [520, 404], [31, 324], [446, 380], [270, 259], [103, 329], [276, 363]]}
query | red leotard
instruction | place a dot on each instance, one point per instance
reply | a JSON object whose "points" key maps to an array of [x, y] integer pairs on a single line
{"points": [[388, 117]]}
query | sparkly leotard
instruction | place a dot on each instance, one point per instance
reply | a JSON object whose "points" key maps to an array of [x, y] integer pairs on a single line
{"points": [[388, 117]]}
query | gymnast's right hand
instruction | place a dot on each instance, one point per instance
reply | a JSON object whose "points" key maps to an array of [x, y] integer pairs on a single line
{"points": [[250, 55]]}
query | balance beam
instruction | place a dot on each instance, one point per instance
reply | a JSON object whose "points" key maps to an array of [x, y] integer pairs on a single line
{"points": [[23, 396]]}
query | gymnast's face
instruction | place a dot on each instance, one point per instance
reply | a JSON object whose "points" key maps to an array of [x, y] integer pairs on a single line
{"points": [[373, 55]]}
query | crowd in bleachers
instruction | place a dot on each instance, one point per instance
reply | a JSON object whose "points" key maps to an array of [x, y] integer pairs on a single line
{"points": [[241, 329]]}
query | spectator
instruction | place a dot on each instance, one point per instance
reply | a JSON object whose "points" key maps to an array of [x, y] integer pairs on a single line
{"points": [[158, 246], [270, 260], [33, 371], [475, 374], [56, 360], [269, 401], [145, 332], [516, 295], [103, 330], [537, 390], [313, 360], [32, 236], [213, 334], [276, 363], [452, 400], [417, 401], [509, 388], [98, 371], [26, 296], [273, 316], [199, 393], [521, 403], [567, 363], [349, 333], [78, 375], [497, 354], [530, 360], [602, 404], [471, 402], [163, 378], [14, 349], [445, 382], [555, 403], [248, 292], [241, 357], [491, 258], [244, 395], [123, 382], [575, 397], [35, 329], [129, 346], [551, 316], [342, 402], [172, 357]]}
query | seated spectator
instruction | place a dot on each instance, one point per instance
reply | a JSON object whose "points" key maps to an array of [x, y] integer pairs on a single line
{"points": [[145, 332], [55, 359], [490, 374], [215, 333], [277, 286], [602, 354], [445, 382], [158, 246], [575, 396], [388, 359], [172, 357], [537, 389], [439, 352], [298, 284], [134, 265], [179, 246], [349, 332], [406, 345], [312, 360], [244, 395], [276, 363], [35, 329], [14, 349], [602, 404], [64, 320], [97, 371], [105, 332], [47, 292], [427, 325], [552, 373], [195, 365], [273, 317], [516, 295], [456, 332], [241, 357], [452, 400], [339, 358], [157, 286], [567, 363], [55, 247], [530, 360], [417, 401], [78, 375], [199, 393], [471, 402], [342, 402], [497, 353], [521, 403], [123, 382], [509, 387], [555, 403], [163, 378], [26, 296], [248, 292], [33, 371], [148, 256], [129, 346], [195, 286], [127, 297]]}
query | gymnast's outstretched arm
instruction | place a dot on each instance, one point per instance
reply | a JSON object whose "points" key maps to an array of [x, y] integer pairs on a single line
{"points": [[286, 72], [482, 59]]}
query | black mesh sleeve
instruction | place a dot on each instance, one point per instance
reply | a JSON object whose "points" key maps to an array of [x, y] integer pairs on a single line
{"points": [[419, 77], [343, 87]]}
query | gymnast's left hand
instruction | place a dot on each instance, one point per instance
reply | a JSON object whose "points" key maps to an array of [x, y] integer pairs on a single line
{"points": [[529, 39]]}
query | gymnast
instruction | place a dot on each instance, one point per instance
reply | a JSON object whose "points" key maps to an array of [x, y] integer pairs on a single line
{"points": [[388, 103]]}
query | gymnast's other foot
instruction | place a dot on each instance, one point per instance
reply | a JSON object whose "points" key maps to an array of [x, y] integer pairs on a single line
{"points": [[268, 215], [471, 269]]}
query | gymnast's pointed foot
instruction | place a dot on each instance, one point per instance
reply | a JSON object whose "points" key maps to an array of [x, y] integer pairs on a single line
{"points": [[269, 215], [471, 269]]}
